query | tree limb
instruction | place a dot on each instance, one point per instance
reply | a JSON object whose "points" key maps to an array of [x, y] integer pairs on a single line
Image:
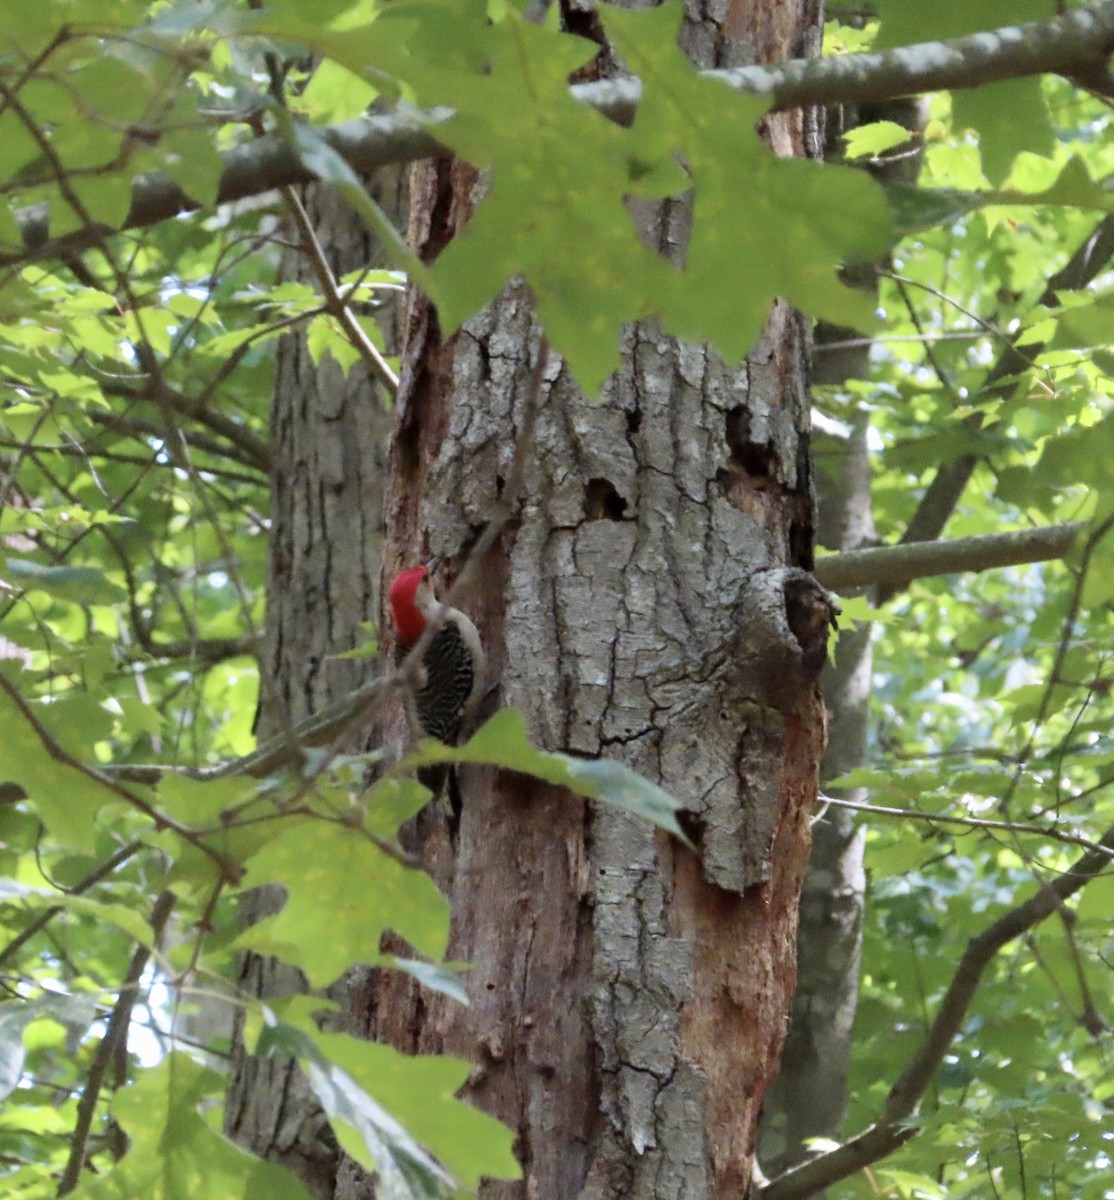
{"points": [[892, 1128], [1075, 44], [898, 565], [115, 1034], [915, 814], [254, 451]]}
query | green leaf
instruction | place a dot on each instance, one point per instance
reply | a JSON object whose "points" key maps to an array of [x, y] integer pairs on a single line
{"points": [[324, 336], [1085, 325], [79, 585], [173, 1153], [502, 742], [15, 1016], [1009, 117], [335, 94], [763, 227], [386, 1106], [343, 894], [1074, 187], [868, 141], [190, 158], [392, 801], [444, 978], [197, 803], [559, 181], [911, 21], [66, 798]]}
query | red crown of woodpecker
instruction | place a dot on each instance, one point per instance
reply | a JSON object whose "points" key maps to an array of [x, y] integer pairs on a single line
{"points": [[408, 618]]}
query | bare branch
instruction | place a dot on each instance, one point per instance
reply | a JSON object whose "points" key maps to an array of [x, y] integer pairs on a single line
{"points": [[897, 565], [335, 303], [1052, 832], [1075, 44]]}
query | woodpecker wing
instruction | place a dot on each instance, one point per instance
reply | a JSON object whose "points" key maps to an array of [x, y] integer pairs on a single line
{"points": [[449, 682]]}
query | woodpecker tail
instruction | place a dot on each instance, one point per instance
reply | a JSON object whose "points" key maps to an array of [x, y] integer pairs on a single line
{"points": [[444, 782]]}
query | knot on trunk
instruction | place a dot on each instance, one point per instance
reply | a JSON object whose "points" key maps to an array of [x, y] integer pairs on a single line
{"points": [[784, 617]]}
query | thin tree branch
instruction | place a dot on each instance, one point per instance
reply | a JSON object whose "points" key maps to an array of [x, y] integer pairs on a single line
{"points": [[334, 302], [83, 885], [1075, 44], [913, 814], [254, 451], [892, 1128], [898, 565], [114, 1036], [85, 452], [286, 749]]}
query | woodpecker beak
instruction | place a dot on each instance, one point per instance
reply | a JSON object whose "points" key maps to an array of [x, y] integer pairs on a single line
{"points": [[432, 565]]}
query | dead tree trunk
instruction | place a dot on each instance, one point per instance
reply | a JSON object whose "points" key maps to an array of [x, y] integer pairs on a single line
{"points": [[628, 997]]}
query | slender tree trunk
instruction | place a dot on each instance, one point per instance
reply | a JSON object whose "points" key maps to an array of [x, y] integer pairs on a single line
{"points": [[809, 1097], [628, 997]]}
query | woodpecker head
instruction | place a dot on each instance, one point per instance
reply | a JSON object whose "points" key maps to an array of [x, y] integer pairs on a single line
{"points": [[412, 602]]}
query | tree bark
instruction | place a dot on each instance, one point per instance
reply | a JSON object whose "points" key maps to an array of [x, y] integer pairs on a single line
{"points": [[628, 998]]}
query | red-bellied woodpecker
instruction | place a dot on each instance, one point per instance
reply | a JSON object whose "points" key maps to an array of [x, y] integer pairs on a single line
{"points": [[453, 667]]}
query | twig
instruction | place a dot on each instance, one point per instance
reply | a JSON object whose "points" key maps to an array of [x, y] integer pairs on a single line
{"points": [[1054, 675], [83, 885], [114, 1036], [334, 301], [913, 814], [1090, 1018], [284, 750], [87, 452]]}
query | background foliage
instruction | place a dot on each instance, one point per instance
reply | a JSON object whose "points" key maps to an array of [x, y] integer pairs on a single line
{"points": [[134, 477]]}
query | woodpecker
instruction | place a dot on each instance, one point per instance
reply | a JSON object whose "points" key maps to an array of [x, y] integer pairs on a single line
{"points": [[453, 668]]}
